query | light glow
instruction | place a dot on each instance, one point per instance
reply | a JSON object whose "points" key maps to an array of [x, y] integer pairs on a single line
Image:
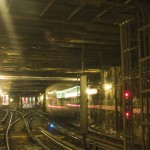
{"points": [[41, 97], [126, 94], [5, 100], [106, 107], [73, 94], [4, 10], [3, 77], [73, 105], [11, 100], [1, 92], [70, 92], [91, 91], [127, 115], [55, 106], [51, 125], [77, 105], [52, 92], [107, 86]]}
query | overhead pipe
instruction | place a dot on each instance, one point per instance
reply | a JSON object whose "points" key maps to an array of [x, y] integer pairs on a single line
{"points": [[37, 78], [83, 50]]}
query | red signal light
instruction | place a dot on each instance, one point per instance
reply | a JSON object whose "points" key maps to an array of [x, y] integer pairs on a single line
{"points": [[126, 94], [127, 115]]}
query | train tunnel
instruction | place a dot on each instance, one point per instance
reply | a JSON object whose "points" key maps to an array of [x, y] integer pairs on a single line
{"points": [[81, 60]]}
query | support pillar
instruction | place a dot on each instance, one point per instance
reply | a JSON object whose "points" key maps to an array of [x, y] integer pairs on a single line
{"points": [[83, 109], [44, 101], [21, 104]]}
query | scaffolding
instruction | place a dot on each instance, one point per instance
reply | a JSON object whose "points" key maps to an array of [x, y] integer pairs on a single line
{"points": [[144, 71], [127, 84]]}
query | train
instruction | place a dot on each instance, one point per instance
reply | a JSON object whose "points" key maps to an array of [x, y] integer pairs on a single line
{"points": [[105, 102]]}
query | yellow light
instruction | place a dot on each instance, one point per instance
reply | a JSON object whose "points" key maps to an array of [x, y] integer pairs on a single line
{"points": [[41, 97], [9, 25], [1, 92], [107, 86], [2, 77], [11, 100]]}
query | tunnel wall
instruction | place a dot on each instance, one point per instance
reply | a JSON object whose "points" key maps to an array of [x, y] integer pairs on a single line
{"points": [[107, 112]]}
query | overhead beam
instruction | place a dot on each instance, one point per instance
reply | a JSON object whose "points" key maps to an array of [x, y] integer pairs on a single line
{"points": [[61, 24], [56, 42], [47, 7], [84, 41], [52, 72], [103, 13], [68, 62], [74, 12], [127, 2], [77, 10], [22, 90], [60, 36], [89, 46], [37, 78]]}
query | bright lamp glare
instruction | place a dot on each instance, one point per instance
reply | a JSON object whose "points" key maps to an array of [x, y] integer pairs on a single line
{"points": [[11, 100], [2, 77], [1, 92], [107, 86], [73, 94], [51, 125], [91, 91], [42, 97], [52, 92]]}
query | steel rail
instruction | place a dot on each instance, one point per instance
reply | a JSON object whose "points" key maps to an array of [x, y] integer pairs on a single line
{"points": [[91, 142], [7, 131], [5, 117], [33, 136], [64, 145]]}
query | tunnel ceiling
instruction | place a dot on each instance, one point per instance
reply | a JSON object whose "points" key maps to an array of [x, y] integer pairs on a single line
{"points": [[43, 41]]}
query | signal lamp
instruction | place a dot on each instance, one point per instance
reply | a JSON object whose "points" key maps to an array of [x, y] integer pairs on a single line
{"points": [[51, 125], [126, 94], [127, 115]]}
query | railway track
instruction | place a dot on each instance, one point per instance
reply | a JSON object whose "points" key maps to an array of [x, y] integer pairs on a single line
{"points": [[59, 137], [107, 139], [32, 136], [93, 142], [3, 116], [12, 142]]}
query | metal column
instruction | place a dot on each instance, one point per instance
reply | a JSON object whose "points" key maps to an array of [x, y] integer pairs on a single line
{"points": [[44, 101], [125, 39], [20, 99], [83, 109]]}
